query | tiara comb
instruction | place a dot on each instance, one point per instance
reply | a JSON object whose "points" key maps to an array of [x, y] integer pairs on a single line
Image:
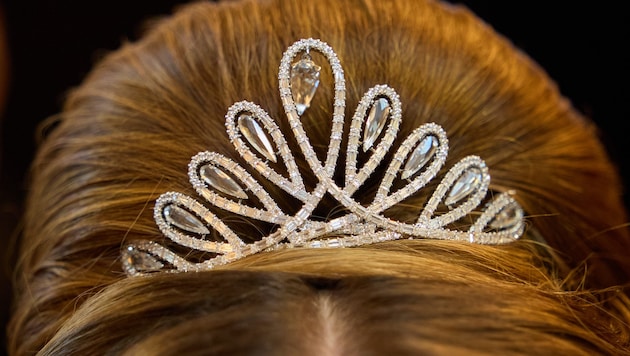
{"points": [[229, 188]]}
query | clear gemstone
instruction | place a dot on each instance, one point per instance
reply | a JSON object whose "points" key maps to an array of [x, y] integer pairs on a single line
{"points": [[337, 224], [333, 243], [420, 156], [467, 183], [184, 220], [221, 181], [375, 122], [304, 82], [142, 260], [506, 218], [256, 137]]}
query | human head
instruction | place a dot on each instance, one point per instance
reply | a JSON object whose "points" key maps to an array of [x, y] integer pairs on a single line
{"points": [[127, 133]]}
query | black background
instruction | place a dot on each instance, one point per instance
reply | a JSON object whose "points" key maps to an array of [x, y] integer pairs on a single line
{"points": [[53, 44]]}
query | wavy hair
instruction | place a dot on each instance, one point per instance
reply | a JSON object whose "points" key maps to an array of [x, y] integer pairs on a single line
{"points": [[128, 131]]}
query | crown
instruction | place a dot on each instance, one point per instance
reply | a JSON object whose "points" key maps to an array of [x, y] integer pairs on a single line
{"points": [[234, 193]]}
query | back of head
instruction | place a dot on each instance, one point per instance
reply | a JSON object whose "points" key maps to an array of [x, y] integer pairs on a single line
{"points": [[127, 133]]}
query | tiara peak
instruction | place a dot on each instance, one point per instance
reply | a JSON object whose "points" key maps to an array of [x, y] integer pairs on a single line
{"points": [[231, 190]]}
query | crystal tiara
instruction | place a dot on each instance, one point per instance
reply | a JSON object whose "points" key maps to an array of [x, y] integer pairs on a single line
{"points": [[195, 230]]}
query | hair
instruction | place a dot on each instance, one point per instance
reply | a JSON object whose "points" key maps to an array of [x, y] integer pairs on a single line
{"points": [[128, 131]]}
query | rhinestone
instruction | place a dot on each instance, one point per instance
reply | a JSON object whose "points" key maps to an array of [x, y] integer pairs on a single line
{"points": [[337, 224], [304, 82], [141, 260], [467, 183], [375, 122], [184, 220], [508, 216], [221, 181], [333, 243], [256, 136], [420, 156]]}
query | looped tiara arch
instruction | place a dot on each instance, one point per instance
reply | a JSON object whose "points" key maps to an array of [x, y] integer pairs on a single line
{"points": [[227, 186]]}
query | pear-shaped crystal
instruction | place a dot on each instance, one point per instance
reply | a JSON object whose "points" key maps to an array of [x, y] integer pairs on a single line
{"points": [[141, 260], [467, 183], [506, 218], [422, 154], [184, 220], [304, 82], [375, 122], [221, 181], [256, 137]]}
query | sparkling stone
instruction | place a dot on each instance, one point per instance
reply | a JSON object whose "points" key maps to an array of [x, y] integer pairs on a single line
{"points": [[221, 181], [142, 260], [184, 220], [420, 156], [304, 82], [337, 224], [467, 183], [506, 218], [256, 137], [375, 122], [334, 243]]}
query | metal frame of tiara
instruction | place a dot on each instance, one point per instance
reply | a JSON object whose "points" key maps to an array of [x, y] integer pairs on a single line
{"points": [[226, 185]]}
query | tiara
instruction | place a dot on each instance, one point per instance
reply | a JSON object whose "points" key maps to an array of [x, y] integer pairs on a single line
{"points": [[194, 229]]}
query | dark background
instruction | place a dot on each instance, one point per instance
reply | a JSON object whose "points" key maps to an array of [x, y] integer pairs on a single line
{"points": [[53, 44]]}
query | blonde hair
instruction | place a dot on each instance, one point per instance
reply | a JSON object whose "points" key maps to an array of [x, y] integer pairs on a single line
{"points": [[127, 133]]}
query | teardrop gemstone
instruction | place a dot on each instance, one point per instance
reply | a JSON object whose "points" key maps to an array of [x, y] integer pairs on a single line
{"points": [[184, 220], [141, 260], [424, 151], [221, 181], [467, 183], [375, 122], [256, 137], [304, 82], [506, 218]]}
